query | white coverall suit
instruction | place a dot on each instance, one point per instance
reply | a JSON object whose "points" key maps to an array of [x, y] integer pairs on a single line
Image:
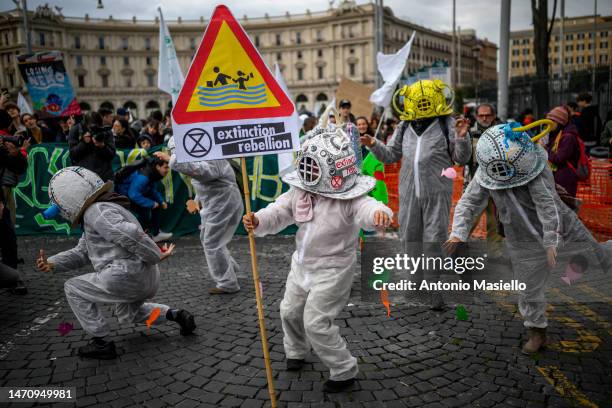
{"points": [[125, 261], [425, 195], [322, 267], [534, 218], [221, 212]]}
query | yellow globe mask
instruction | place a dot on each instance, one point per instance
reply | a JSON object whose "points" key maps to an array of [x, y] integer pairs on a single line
{"points": [[424, 99]]}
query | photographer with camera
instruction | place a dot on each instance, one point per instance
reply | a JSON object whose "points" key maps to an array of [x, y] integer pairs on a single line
{"points": [[92, 146], [11, 159]]}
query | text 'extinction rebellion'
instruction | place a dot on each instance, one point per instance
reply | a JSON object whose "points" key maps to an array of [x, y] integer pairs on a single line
{"points": [[252, 138]]}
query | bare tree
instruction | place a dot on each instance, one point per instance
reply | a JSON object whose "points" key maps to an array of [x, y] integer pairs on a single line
{"points": [[541, 39]]}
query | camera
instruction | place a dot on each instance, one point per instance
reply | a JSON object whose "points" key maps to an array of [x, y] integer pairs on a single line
{"points": [[99, 133], [16, 140]]}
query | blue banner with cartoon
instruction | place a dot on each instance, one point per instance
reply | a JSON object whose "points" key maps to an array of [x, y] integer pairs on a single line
{"points": [[48, 84]]}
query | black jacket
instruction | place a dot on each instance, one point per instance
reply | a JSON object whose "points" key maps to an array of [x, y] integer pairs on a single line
{"points": [[125, 141], [16, 164], [589, 125], [96, 159]]}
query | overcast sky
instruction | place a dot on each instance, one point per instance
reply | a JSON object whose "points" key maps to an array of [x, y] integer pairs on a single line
{"points": [[482, 15]]}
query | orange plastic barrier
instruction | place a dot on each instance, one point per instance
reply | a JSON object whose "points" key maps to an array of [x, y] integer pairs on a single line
{"points": [[595, 194]]}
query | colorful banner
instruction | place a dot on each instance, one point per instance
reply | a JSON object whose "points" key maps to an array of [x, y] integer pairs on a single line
{"points": [[48, 84], [45, 159]]}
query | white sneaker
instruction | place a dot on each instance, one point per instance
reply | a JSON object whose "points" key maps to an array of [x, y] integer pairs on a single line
{"points": [[162, 236]]}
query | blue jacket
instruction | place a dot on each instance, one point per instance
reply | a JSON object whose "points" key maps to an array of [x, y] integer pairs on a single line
{"points": [[140, 190]]}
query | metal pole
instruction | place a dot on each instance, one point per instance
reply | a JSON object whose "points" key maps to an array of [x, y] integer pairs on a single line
{"points": [[594, 49], [458, 55], [26, 27], [378, 37], [504, 51], [453, 73], [562, 50]]}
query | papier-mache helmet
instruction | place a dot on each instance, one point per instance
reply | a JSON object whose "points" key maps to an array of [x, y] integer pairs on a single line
{"points": [[327, 165], [507, 157], [424, 99], [73, 189]]}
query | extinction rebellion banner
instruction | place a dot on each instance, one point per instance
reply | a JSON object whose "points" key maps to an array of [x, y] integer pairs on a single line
{"points": [[44, 160]]}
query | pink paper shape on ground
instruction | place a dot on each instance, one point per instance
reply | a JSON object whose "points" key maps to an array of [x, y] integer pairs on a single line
{"points": [[65, 328]]}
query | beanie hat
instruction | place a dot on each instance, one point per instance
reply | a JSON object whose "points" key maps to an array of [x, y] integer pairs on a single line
{"points": [[559, 114]]}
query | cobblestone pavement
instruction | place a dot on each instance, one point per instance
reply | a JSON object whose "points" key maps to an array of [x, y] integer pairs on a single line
{"points": [[415, 358]]}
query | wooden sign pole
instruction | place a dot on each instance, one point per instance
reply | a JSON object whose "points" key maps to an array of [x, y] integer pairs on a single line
{"points": [[256, 282]]}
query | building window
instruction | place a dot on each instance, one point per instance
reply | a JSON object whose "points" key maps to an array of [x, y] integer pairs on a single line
{"points": [[525, 41], [319, 36], [603, 58], [279, 56], [11, 77], [148, 60], [569, 37], [81, 81], [320, 53], [320, 72], [515, 42], [278, 39], [192, 44], [41, 39], [79, 60], [300, 74], [77, 42], [101, 43], [352, 51], [126, 60], [104, 81], [128, 82], [515, 52], [569, 47], [103, 60], [124, 43], [150, 80], [299, 54], [298, 38], [257, 41], [147, 44], [580, 36], [525, 51], [352, 69], [603, 45], [603, 34]]}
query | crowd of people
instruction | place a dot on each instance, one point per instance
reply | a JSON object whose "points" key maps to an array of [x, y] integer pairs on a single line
{"points": [[523, 195]]}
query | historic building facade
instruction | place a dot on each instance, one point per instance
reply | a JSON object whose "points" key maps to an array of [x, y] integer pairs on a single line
{"points": [[581, 50], [114, 62]]}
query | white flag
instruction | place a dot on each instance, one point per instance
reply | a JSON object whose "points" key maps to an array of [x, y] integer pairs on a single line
{"points": [[390, 67], [285, 160], [23, 104], [169, 74]]}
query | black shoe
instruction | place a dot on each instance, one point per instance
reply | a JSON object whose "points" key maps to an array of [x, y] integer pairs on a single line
{"points": [[100, 349], [19, 289], [187, 322], [337, 386], [294, 364]]}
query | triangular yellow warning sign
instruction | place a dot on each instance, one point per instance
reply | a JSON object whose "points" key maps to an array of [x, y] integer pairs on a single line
{"points": [[228, 80]]}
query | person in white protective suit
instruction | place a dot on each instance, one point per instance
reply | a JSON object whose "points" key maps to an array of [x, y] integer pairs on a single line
{"points": [[221, 210], [427, 141], [513, 171], [123, 256], [328, 202]]}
